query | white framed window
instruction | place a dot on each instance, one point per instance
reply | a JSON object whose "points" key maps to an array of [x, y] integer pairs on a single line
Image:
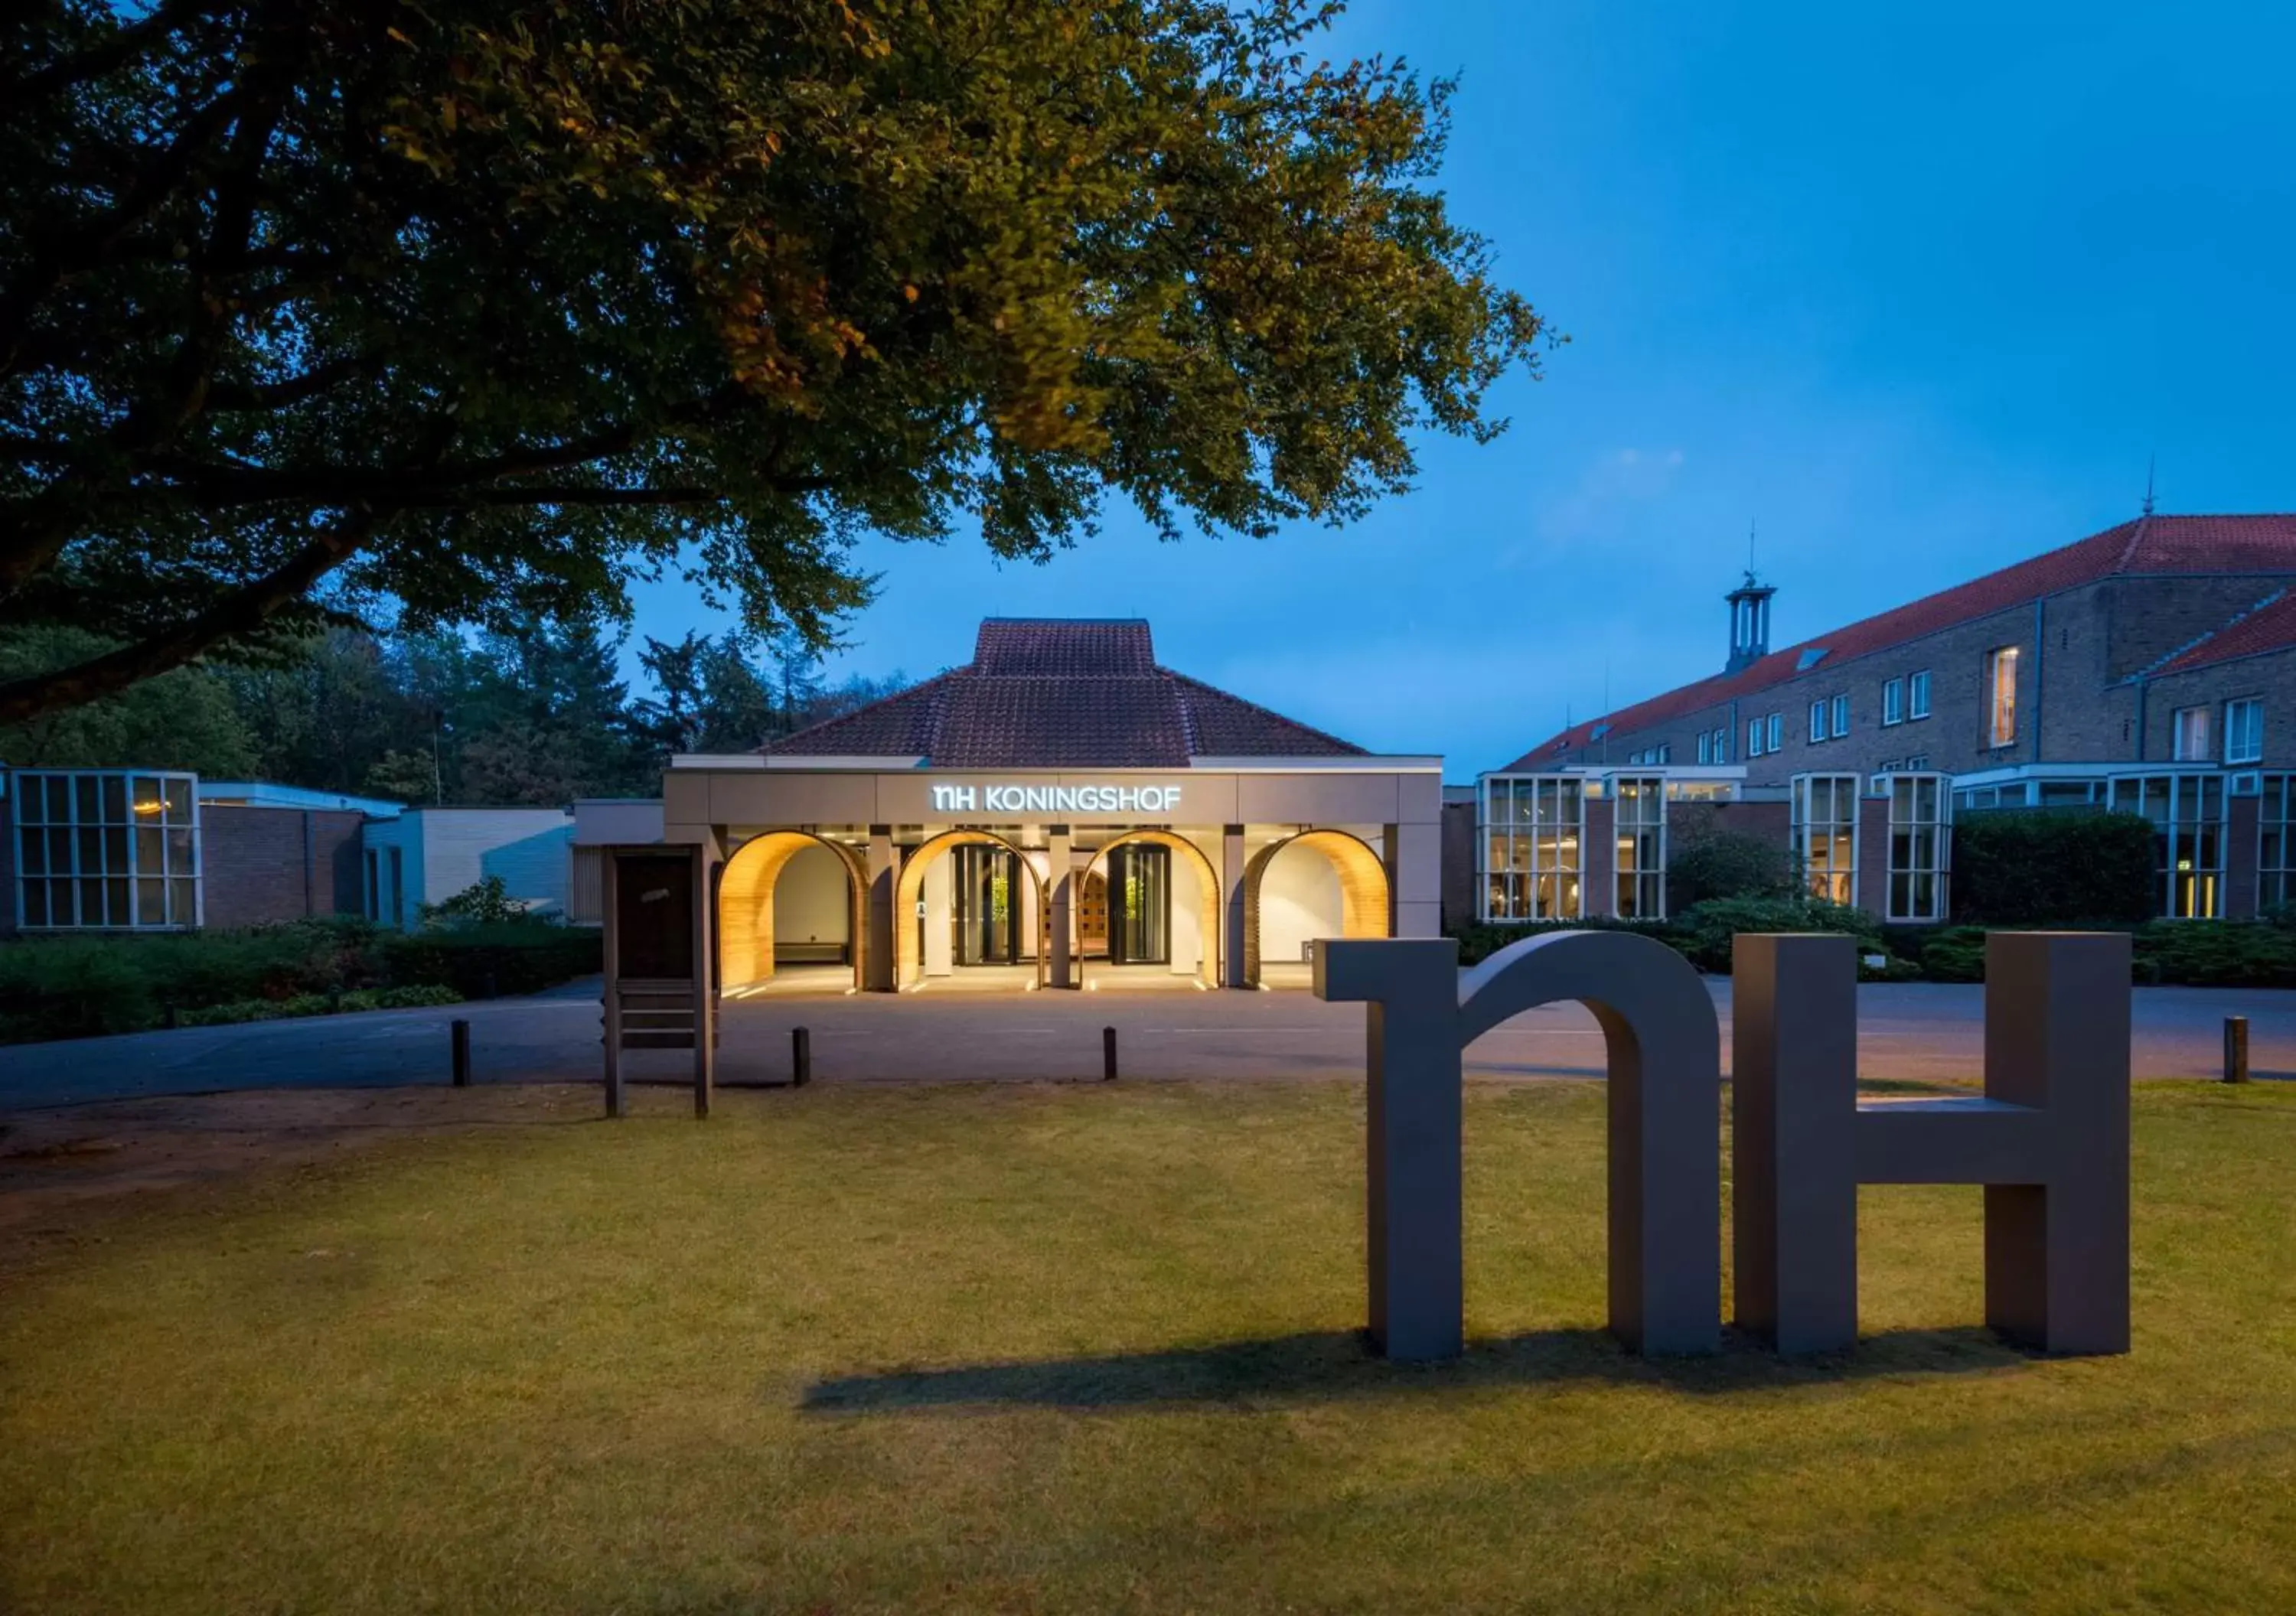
{"points": [[1706, 746], [1532, 832], [1919, 843], [1917, 695], [2244, 730], [107, 850], [1893, 702], [2190, 741], [1816, 721], [1825, 835], [1775, 731], [1754, 737], [1918, 762], [2276, 848], [1640, 828], [1722, 744], [1840, 716], [2187, 811], [2001, 697]]}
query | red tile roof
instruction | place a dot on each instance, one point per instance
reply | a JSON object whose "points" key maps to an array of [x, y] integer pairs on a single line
{"points": [[1062, 693], [2151, 545], [2270, 627]]}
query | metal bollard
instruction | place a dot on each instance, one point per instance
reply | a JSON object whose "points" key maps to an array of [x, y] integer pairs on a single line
{"points": [[1108, 1055], [459, 1043], [801, 1056], [2235, 1050]]}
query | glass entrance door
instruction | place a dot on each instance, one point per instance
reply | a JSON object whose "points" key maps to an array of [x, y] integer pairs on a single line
{"points": [[987, 889], [1140, 905]]}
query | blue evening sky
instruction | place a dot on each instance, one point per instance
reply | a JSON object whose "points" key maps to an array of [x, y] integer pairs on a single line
{"points": [[1916, 288]]}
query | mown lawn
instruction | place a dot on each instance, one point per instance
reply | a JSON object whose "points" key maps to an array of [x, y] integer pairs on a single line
{"points": [[1091, 1349]]}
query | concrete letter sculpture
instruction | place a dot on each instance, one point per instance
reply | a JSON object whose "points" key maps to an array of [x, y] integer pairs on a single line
{"points": [[2049, 1140], [1664, 1046]]}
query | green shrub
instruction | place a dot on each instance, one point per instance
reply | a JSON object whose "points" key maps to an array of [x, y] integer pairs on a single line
{"points": [[485, 961], [320, 1004], [1477, 944], [1703, 932], [2215, 954], [1955, 953], [486, 901], [1711, 864], [2044, 869]]}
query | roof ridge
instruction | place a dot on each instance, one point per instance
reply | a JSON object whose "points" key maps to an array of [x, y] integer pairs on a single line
{"points": [[2128, 552], [1186, 709], [2198, 641], [908, 692]]}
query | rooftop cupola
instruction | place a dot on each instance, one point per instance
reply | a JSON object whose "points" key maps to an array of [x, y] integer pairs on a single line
{"points": [[1750, 622]]}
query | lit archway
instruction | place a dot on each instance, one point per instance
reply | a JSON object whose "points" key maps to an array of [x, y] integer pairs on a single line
{"points": [[908, 963], [1208, 889], [1362, 889], [745, 905]]}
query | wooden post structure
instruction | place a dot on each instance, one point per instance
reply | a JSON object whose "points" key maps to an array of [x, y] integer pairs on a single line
{"points": [[800, 1057], [617, 1102], [2236, 1049], [458, 1051], [705, 998], [1108, 1055]]}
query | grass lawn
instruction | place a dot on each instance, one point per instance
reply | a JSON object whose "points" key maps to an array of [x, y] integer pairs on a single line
{"points": [[1091, 1349]]}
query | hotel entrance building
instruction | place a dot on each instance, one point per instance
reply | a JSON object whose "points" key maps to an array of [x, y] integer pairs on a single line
{"points": [[1059, 812]]}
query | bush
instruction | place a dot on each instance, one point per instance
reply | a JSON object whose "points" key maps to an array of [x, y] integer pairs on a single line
{"points": [[2044, 869], [2215, 954], [1955, 953], [320, 1004], [1712, 864], [486, 961], [1704, 931], [1477, 944], [486, 901]]}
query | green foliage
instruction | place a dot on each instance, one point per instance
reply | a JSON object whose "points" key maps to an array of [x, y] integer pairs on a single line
{"points": [[77, 987], [1477, 944], [1955, 953], [1703, 932], [485, 902], [2215, 954], [2053, 868], [1708, 863], [474, 312], [184, 719], [320, 1004]]}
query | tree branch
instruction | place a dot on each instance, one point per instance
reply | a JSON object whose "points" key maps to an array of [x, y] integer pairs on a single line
{"points": [[102, 58], [243, 611]]}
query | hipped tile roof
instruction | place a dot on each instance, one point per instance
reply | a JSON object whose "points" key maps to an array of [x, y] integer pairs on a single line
{"points": [[2151, 545], [1061, 693]]}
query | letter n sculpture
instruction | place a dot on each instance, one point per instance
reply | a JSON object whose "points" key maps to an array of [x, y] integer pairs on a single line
{"points": [[2048, 1140], [1665, 1113]]}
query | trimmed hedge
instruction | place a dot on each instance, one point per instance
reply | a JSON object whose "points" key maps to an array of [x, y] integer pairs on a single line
{"points": [[79, 987], [2038, 868], [1702, 933], [320, 1004]]}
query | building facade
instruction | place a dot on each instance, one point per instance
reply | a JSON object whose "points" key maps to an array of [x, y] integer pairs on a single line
{"points": [[1059, 812], [2149, 668]]}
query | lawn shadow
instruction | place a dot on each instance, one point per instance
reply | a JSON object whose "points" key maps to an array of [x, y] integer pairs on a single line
{"points": [[1336, 1364]]}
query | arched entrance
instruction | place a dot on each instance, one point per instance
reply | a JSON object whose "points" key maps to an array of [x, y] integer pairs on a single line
{"points": [[1363, 888], [908, 963], [745, 905], [1208, 889]]}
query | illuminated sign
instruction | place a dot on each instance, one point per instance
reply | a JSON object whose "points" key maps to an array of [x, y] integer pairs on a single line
{"points": [[1055, 799]]}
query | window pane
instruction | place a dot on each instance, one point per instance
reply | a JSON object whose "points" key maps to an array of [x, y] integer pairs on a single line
{"points": [[179, 801], [115, 799], [36, 902], [59, 800], [34, 856], [60, 852], [91, 851], [151, 901], [91, 900], [60, 912], [150, 850], [147, 796], [87, 814], [115, 851], [180, 860], [183, 903]]}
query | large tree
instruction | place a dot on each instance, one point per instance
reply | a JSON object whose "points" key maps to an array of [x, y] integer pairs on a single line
{"points": [[467, 312]]}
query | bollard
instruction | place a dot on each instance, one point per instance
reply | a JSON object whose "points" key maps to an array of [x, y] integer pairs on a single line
{"points": [[1108, 1055], [2235, 1050], [171, 1018], [801, 1056], [459, 1044]]}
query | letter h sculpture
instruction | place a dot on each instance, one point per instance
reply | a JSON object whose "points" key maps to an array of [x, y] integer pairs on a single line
{"points": [[2048, 1141]]}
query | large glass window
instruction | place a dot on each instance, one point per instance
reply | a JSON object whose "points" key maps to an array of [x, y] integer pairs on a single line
{"points": [[1641, 829], [1825, 835], [2187, 815], [2276, 856], [2244, 730], [2190, 731], [2001, 697], [1531, 848], [107, 850], [1918, 846]]}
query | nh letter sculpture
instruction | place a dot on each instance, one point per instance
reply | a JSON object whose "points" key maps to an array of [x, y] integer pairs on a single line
{"points": [[2049, 1140]]}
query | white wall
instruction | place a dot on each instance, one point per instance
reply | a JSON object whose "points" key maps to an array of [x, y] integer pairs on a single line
{"points": [[1299, 901], [940, 938], [1187, 917], [813, 899], [444, 851]]}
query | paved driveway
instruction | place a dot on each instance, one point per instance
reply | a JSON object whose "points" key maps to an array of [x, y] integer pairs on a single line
{"points": [[1907, 1031]]}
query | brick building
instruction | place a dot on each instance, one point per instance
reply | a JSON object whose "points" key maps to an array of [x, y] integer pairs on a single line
{"points": [[2150, 667]]}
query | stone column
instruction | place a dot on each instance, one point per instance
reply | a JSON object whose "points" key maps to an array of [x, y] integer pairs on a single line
{"points": [[1061, 888], [1231, 877], [884, 875], [1598, 860]]}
